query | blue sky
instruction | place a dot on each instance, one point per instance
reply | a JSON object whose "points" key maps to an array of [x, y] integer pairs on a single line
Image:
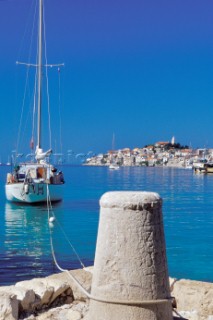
{"points": [[142, 70]]}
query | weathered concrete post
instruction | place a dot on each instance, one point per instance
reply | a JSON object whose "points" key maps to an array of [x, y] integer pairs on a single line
{"points": [[130, 261]]}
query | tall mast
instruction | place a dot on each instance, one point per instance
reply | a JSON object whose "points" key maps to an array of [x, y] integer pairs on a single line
{"points": [[40, 34]]}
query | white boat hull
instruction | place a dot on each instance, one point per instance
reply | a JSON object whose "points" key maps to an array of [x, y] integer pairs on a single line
{"points": [[37, 193], [114, 167]]}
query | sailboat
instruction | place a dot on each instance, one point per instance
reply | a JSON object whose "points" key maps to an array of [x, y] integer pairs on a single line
{"points": [[113, 165], [36, 181]]}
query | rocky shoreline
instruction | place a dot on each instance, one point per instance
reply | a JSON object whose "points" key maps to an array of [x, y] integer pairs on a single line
{"points": [[56, 297], [53, 297]]}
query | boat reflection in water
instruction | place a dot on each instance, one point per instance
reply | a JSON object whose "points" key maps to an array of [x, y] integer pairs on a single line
{"points": [[26, 242]]}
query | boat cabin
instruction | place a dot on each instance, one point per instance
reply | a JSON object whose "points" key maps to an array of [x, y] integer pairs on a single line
{"points": [[34, 173]]}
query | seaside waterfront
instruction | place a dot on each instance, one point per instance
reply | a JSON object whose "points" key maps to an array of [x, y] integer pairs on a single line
{"points": [[187, 209]]}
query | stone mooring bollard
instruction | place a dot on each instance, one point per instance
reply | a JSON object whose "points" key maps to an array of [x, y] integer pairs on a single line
{"points": [[130, 261]]}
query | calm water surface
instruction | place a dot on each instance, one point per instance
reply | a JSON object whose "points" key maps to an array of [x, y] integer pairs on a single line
{"points": [[187, 209]]}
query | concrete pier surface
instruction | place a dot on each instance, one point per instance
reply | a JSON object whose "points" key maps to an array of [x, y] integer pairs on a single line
{"points": [[130, 261]]}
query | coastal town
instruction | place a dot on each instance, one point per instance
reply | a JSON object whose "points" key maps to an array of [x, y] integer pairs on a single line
{"points": [[161, 153]]}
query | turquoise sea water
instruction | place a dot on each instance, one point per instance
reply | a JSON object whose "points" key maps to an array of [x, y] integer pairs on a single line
{"points": [[187, 209]]}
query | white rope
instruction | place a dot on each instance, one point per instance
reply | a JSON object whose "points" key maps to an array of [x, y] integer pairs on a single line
{"points": [[62, 230], [143, 303]]}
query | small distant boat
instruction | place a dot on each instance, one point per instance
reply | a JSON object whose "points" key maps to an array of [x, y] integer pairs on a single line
{"points": [[188, 166], [199, 166], [8, 163], [36, 181], [114, 166], [203, 166]]}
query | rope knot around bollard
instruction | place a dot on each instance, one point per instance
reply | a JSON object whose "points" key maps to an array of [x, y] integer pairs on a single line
{"points": [[142, 303]]}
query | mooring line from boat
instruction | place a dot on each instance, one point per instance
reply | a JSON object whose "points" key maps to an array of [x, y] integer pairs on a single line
{"points": [[142, 303], [49, 207]]}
